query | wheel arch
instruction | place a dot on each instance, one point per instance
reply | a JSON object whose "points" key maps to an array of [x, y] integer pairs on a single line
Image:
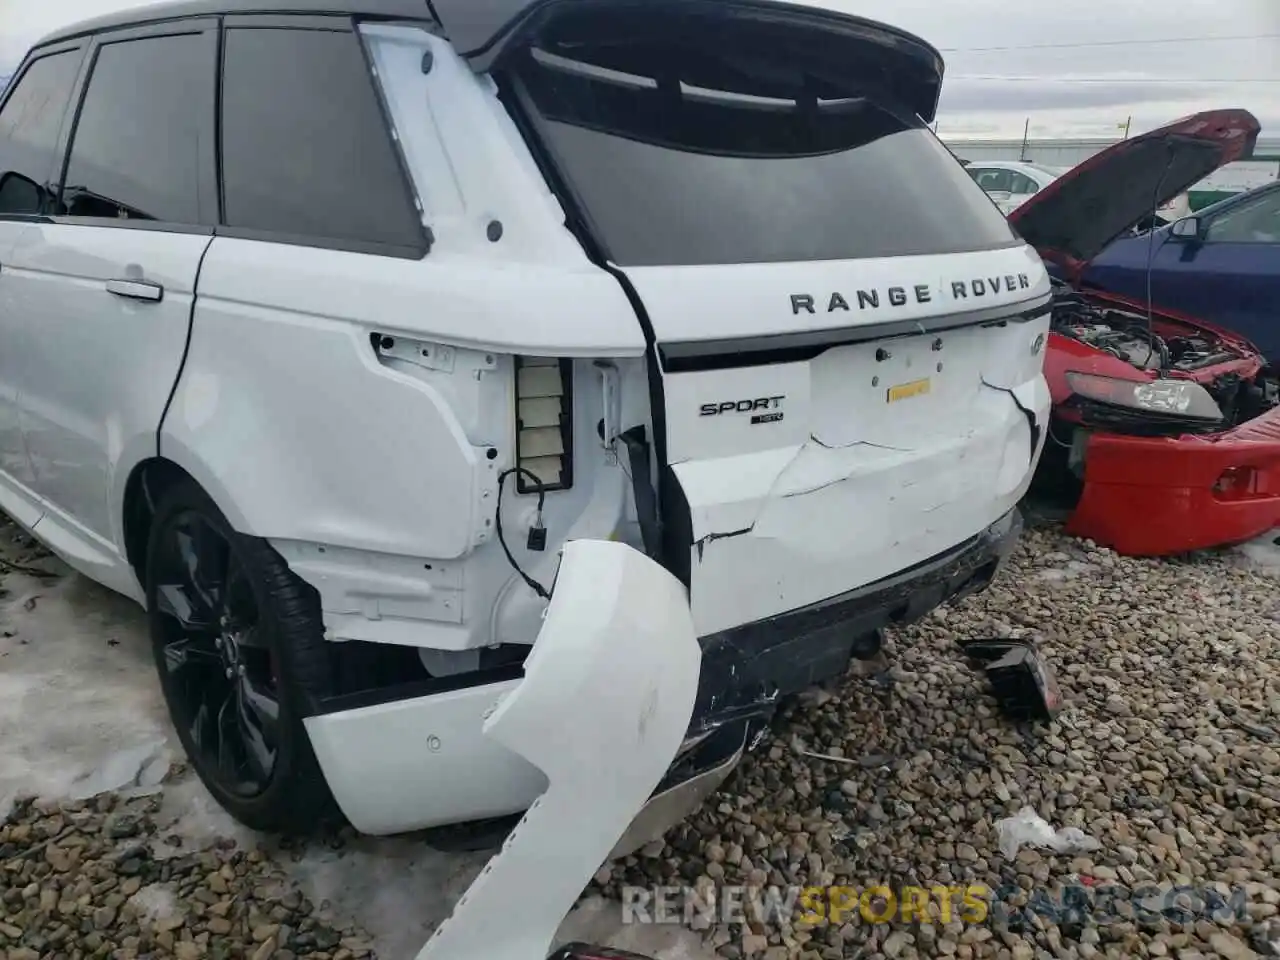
{"points": [[146, 485]]}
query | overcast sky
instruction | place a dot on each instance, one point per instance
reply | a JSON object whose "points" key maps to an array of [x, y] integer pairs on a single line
{"points": [[1084, 90]]}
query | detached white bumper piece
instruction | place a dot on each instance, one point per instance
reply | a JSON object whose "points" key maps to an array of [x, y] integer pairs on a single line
{"points": [[605, 703]]}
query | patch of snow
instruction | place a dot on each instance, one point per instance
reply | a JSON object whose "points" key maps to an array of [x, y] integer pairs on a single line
{"points": [[155, 902], [1056, 575], [189, 813], [400, 889], [597, 920], [137, 767], [1263, 554], [80, 702]]}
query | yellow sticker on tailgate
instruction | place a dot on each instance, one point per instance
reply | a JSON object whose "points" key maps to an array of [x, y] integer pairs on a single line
{"points": [[914, 388]]}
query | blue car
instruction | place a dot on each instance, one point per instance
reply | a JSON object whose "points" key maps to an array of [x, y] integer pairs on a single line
{"points": [[1221, 265]]}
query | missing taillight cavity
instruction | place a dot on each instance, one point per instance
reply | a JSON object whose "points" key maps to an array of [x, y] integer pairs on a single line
{"points": [[544, 423]]}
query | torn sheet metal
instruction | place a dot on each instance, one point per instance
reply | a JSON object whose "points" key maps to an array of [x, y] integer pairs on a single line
{"points": [[829, 518], [605, 703]]}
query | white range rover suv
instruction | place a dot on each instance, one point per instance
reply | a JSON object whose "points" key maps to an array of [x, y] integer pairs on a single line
{"points": [[325, 325]]}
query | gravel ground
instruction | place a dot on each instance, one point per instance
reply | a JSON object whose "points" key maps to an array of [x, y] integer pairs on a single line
{"points": [[98, 879], [1166, 754]]}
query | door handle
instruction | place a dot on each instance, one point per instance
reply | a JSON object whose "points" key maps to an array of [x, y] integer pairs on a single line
{"points": [[136, 289]]}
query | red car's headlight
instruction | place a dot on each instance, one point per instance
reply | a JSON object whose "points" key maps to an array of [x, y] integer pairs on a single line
{"points": [[1176, 398]]}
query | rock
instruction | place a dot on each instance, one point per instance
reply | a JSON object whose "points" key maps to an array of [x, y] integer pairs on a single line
{"points": [[1229, 947], [894, 944]]}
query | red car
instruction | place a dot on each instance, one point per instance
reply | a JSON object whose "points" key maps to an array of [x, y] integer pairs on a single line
{"points": [[1165, 428]]}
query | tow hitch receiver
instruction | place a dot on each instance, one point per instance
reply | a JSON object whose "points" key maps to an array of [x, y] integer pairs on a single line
{"points": [[1023, 682]]}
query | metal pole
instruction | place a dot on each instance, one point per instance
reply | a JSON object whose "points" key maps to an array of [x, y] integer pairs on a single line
{"points": [[1026, 132]]}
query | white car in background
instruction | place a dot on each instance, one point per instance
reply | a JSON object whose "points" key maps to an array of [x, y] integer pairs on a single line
{"points": [[1010, 183]]}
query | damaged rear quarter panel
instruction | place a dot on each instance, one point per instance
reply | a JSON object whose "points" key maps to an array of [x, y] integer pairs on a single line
{"points": [[606, 700]]}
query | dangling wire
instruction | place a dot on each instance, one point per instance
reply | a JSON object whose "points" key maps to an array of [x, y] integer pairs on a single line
{"points": [[534, 585]]}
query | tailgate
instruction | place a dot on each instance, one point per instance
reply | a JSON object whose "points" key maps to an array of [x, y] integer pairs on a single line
{"points": [[817, 462], [844, 323]]}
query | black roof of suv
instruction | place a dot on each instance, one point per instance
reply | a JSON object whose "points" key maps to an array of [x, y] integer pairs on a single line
{"points": [[479, 29]]}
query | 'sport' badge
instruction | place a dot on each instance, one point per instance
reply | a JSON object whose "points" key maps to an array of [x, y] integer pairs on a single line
{"points": [[903, 391]]}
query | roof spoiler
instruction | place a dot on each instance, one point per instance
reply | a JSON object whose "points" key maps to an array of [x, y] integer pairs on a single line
{"points": [[484, 31]]}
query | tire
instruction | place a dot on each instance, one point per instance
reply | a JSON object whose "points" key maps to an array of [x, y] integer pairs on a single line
{"points": [[219, 671]]}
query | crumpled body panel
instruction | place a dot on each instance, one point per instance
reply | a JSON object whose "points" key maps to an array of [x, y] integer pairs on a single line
{"points": [[605, 703], [784, 528]]}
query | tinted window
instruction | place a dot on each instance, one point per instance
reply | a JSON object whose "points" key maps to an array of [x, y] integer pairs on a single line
{"points": [[696, 175], [29, 127], [1020, 184], [993, 179], [1253, 221], [305, 150], [143, 146]]}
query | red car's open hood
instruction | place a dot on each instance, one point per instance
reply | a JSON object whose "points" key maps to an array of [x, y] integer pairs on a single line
{"points": [[1070, 221]]}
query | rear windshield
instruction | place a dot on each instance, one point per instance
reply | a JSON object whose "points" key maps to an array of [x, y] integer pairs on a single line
{"points": [[673, 174]]}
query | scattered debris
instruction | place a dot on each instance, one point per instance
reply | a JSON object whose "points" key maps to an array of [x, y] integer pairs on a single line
{"points": [[1023, 683], [867, 761], [1028, 829]]}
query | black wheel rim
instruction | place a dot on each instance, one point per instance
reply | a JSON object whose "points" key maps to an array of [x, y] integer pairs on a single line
{"points": [[217, 665]]}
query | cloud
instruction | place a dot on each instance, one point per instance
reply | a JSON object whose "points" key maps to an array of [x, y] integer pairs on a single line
{"points": [[962, 96]]}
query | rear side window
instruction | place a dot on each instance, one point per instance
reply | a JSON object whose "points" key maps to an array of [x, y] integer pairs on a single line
{"points": [[305, 149], [29, 125], [143, 144], [672, 173], [1253, 221]]}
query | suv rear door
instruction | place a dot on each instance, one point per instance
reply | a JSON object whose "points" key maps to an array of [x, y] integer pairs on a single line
{"points": [[105, 285], [31, 119]]}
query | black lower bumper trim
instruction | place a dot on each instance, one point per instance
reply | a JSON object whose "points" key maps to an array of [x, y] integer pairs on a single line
{"points": [[756, 662]]}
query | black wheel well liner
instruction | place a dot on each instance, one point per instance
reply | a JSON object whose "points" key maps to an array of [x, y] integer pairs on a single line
{"points": [[146, 485]]}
